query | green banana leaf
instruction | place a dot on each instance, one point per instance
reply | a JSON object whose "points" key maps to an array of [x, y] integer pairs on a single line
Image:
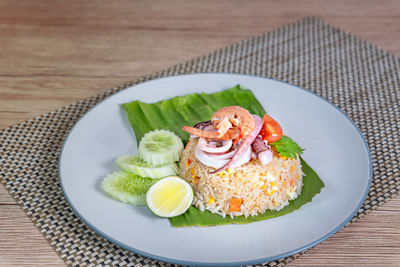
{"points": [[190, 109], [187, 110]]}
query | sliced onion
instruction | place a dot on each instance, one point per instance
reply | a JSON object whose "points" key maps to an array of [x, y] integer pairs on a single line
{"points": [[207, 160], [203, 145]]}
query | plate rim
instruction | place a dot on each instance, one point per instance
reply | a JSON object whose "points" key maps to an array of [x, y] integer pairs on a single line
{"points": [[236, 263]]}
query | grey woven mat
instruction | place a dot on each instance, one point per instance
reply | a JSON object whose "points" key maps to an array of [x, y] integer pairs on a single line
{"points": [[359, 78]]}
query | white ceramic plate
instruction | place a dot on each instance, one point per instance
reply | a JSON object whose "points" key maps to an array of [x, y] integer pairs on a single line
{"points": [[335, 149]]}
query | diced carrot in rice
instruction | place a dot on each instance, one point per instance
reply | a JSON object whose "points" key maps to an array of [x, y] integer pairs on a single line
{"points": [[234, 204]]}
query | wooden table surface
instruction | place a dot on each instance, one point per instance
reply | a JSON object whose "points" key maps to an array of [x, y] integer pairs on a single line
{"points": [[53, 53]]}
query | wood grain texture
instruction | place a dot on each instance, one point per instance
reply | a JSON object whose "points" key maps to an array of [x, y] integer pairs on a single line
{"points": [[374, 240], [53, 53], [21, 243]]}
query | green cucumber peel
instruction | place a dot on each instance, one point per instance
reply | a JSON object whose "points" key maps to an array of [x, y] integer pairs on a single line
{"points": [[127, 187]]}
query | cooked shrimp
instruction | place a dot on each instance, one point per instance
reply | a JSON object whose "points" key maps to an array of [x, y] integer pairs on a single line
{"points": [[231, 134], [233, 116], [229, 122]]}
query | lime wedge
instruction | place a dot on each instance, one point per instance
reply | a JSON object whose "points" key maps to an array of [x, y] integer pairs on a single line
{"points": [[169, 197]]}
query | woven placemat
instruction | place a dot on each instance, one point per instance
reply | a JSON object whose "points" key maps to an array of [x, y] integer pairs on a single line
{"points": [[359, 78]]}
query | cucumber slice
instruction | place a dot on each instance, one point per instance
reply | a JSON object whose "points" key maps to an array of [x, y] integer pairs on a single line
{"points": [[134, 164], [127, 187], [160, 147]]}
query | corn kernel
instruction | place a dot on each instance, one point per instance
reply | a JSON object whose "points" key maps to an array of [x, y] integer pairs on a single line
{"points": [[223, 174], [270, 193], [264, 187], [193, 172], [195, 180], [231, 171]]}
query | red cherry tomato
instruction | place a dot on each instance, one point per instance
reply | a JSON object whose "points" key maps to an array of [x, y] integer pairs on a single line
{"points": [[271, 130]]}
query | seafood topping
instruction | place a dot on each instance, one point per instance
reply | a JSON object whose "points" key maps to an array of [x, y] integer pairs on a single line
{"points": [[229, 122], [262, 150], [202, 125], [230, 139], [231, 134], [233, 116], [214, 146], [208, 159], [244, 146]]}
